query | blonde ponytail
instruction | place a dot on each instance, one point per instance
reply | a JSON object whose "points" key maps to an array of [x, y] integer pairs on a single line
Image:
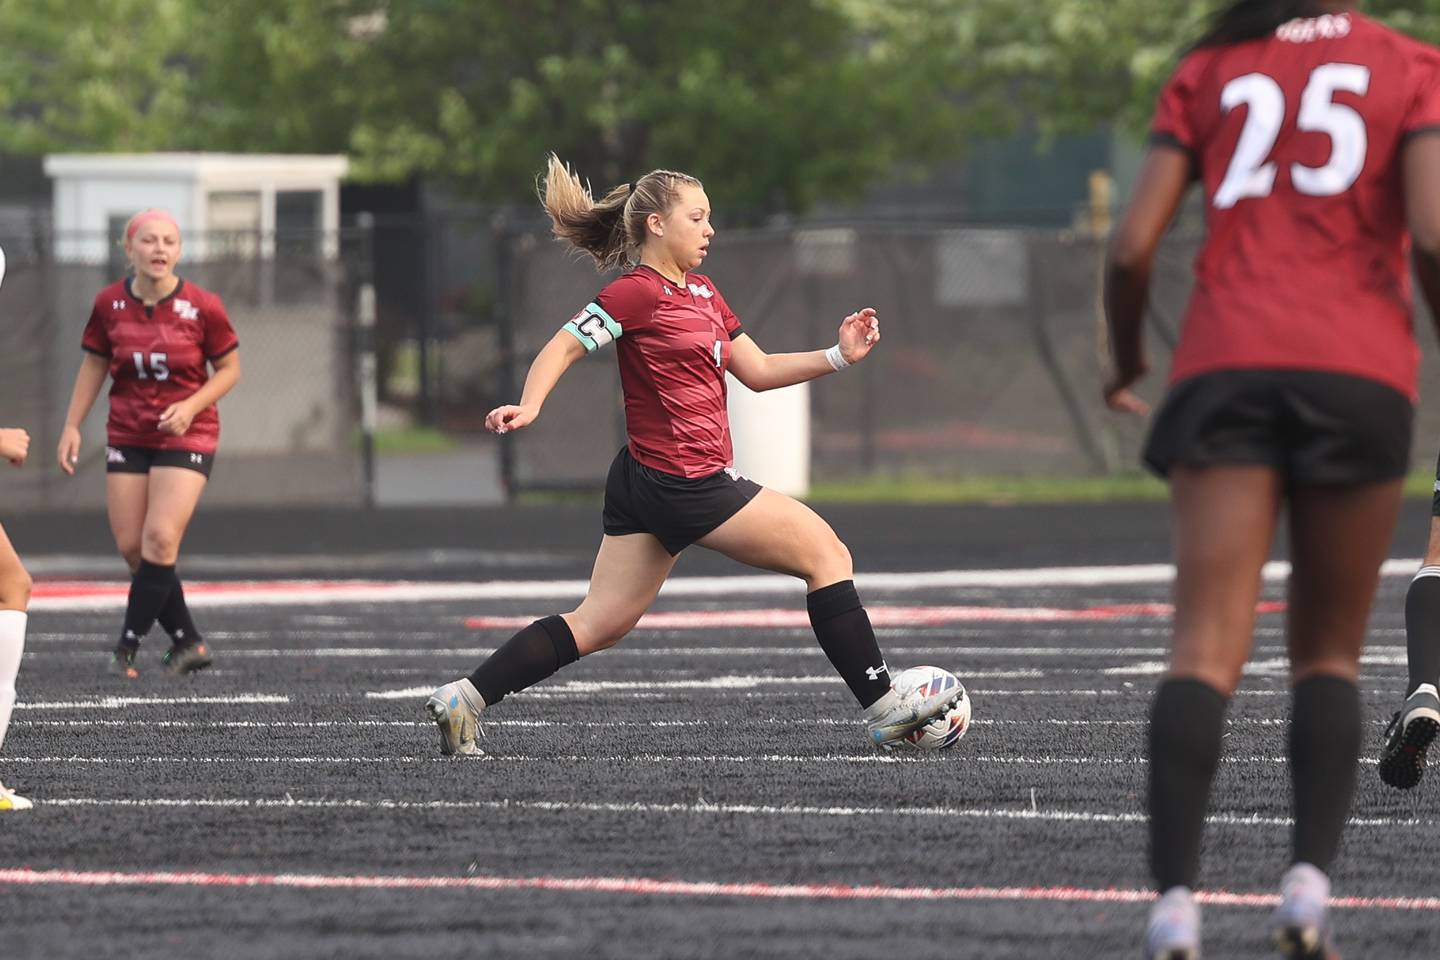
{"points": [[611, 230]]}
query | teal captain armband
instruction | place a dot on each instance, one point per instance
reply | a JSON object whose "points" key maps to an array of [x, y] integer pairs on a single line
{"points": [[593, 327]]}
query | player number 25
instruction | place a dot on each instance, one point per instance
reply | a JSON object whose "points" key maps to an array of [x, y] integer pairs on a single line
{"points": [[156, 369], [1250, 175]]}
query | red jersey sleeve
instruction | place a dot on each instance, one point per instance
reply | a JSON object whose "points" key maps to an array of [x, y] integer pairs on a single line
{"points": [[727, 316], [96, 339], [1174, 123], [1423, 115], [220, 337], [626, 305]]}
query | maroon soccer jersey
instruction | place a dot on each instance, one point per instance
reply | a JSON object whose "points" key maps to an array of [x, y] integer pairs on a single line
{"points": [[1297, 138], [674, 347], [158, 356]]}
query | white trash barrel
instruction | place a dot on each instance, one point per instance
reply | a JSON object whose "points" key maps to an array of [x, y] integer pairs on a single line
{"points": [[771, 434]]}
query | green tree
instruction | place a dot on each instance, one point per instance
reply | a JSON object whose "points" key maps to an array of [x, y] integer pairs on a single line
{"points": [[776, 104], [1072, 65], [92, 74]]}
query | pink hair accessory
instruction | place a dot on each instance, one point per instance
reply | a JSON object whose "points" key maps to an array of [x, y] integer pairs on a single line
{"points": [[146, 216]]}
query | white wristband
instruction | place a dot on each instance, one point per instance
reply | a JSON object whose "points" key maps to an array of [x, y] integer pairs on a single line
{"points": [[836, 358]]}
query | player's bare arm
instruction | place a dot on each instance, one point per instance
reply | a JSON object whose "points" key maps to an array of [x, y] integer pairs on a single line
{"points": [[1421, 168], [14, 445], [88, 381], [546, 370], [758, 370], [176, 418], [1158, 193]]}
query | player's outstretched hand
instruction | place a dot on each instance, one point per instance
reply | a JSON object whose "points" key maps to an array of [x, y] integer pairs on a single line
{"points": [[508, 418], [859, 333], [68, 453], [14, 445], [176, 419], [1120, 398]]}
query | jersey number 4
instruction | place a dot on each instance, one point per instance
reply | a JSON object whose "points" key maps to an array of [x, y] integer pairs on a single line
{"points": [[157, 368], [1251, 176]]}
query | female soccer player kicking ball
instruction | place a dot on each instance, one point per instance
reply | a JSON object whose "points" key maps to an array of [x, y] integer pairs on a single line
{"points": [[154, 334], [674, 483], [14, 599], [1314, 132]]}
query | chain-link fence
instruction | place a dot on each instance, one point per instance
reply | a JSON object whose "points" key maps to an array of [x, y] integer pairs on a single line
{"points": [[288, 430], [991, 364], [992, 361]]}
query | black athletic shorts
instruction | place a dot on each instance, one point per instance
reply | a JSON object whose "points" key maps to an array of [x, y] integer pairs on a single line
{"points": [[676, 510], [1315, 428], [141, 459]]}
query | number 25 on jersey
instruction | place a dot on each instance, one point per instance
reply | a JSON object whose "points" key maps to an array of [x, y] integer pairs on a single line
{"points": [[1250, 175]]}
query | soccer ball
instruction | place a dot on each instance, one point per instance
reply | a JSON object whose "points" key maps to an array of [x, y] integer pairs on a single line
{"points": [[947, 729]]}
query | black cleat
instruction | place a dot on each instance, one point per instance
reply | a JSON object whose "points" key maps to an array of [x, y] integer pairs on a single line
{"points": [[188, 658], [1411, 731], [122, 662]]}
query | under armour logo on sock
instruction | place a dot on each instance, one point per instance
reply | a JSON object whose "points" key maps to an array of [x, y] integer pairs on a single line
{"points": [[874, 672], [180, 634]]}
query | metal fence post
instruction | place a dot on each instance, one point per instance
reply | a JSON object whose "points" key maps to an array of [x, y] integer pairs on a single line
{"points": [[367, 374], [505, 265]]}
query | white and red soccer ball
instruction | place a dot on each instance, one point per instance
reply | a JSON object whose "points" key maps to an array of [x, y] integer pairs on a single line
{"points": [[947, 729]]}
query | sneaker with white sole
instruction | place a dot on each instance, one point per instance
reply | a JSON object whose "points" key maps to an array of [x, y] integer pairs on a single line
{"points": [[10, 801], [1411, 731], [456, 709], [1173, 932], [1301, 922], [890, 718]]}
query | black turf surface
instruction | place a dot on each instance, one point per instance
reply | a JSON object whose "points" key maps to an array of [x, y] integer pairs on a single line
{"points": [[644, 777]]}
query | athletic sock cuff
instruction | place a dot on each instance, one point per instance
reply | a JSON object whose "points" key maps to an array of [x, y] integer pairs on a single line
{"points": [[1192, 691], [1327, 685], [827, 603], [154, 572], [561, 638]]}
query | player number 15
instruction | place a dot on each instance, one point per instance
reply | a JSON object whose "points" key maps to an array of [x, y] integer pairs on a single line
{"points": [[157, 368]]}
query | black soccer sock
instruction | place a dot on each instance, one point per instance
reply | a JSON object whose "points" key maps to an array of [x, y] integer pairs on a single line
{"points": [[1324, 750], [843, 628], [525, 659], [1422, 628], [174, 617], [1186, 724], [148, 592]]}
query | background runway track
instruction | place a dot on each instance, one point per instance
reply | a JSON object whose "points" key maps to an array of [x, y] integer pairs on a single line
{"points": [[703, 790]]}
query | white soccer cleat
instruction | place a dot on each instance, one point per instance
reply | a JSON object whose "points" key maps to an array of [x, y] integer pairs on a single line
{"points": [[1301, 922], [898, 713], [1173, 932], [10, 801], [456, 709]]}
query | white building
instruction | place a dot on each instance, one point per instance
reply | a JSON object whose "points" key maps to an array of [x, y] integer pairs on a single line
{"points": [[219, 199]]}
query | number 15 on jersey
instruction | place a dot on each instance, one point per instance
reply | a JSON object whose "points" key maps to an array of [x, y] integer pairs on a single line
{"points": [[156, 369]]}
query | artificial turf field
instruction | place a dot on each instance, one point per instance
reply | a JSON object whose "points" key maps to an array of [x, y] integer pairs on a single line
{"points": [[703, 790]]}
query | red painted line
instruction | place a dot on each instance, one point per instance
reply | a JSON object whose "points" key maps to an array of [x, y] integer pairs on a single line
{"points": [[880, 616], [677, 888], [95, 589]]}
